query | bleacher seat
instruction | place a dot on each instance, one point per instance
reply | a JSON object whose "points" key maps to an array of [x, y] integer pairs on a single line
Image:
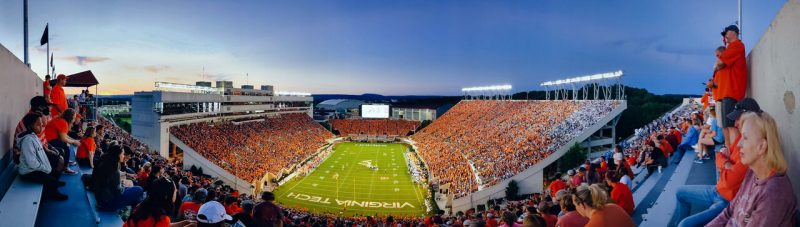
{"points": [[102, 218], [20, 203]]}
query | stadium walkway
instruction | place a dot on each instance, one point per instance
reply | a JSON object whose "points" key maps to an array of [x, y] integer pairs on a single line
{"points": [[76, 209], [659, 203]]}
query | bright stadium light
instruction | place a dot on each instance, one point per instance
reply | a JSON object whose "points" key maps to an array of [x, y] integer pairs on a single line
{"points": [[292, 93], [193, 88], [579, 79], [487, 88]]}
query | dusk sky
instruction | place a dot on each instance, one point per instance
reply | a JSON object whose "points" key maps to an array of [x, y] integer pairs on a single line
{"points": [[384, 47]]}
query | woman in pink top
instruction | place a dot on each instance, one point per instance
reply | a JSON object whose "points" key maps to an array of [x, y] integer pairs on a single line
{"points": [[766, 197]]}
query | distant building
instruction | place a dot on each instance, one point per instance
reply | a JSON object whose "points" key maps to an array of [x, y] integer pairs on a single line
{"points": [[339, 105], [203, 83], [267, 88], [415, 112], [224, 84]]}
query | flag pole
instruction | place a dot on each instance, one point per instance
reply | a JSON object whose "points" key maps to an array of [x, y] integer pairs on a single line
{"points": [[48, 56], [25, 30], [740, 20], [46, 28]]}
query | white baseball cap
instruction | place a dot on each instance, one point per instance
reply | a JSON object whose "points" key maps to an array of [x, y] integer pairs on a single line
{"points": [[212, 212]]}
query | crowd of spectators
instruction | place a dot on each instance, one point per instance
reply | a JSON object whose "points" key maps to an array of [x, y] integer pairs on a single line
{"points": [[388, 127], [251, 149], [500, 138]]}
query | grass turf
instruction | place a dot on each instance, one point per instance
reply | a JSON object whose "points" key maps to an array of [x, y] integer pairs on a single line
{"points": [[344, 181]]}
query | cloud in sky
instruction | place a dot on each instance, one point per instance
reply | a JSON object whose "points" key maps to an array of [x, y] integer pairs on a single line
{"points": [[407, 47], [156, 68], [83, 60]]}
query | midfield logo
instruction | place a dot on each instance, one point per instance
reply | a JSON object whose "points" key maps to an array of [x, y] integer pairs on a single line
{"points": [[350, 203]]}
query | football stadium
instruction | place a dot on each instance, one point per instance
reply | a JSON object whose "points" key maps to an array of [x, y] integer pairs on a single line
{"points": [[478, 116]]}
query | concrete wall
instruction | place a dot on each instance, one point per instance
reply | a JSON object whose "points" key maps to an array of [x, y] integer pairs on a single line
{"points": [[774, 65], [531, 180], [144, 122], [18, 84]]}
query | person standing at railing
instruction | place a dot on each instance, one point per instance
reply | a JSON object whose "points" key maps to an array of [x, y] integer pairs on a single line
{"points": [[732, 85], [57, 96]]}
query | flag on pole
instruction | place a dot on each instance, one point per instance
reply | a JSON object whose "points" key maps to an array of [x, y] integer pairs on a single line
{"points": [[45, 36], [51, 61]]}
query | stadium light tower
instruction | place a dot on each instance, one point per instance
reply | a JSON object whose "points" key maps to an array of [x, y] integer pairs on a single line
{"points": [[493, 92], [606, 82]]}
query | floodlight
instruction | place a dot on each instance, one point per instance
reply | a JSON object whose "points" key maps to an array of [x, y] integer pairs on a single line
{"points": [[599, 76]]}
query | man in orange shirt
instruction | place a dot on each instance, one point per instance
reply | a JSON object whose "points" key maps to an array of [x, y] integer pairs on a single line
{"points": [[557, 185], [665, 147], [57, 96], [731, 175], [704, 99], [733, 84], [46, 87], [620, 193]]}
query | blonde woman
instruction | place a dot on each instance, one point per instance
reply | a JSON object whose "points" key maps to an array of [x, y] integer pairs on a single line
{"points": [[593, 202], [766, 197]]}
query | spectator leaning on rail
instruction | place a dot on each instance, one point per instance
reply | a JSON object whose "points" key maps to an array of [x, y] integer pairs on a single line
{"points": [[766, 197], [733, 85], [731, 173]]}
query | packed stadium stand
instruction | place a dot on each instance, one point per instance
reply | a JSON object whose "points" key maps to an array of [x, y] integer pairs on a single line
{"points": [[498, 139], [254, 148], [388, 127]]}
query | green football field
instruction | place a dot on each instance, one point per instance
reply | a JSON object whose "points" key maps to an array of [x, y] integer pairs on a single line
{"points": [[344, 184]]}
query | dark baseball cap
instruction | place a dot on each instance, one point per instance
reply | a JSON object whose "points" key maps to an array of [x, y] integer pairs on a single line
{"points": [[746, 105], [730, 28], [39, 101]]}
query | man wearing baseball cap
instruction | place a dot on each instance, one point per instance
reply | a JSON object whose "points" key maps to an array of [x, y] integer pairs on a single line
{"points": [[211, 214], [57, 96], [733, 82], [40, 105], [731, 175]]}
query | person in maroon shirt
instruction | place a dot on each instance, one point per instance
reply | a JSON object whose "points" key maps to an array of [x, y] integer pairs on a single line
{"points": [[766, 197], [571, 218], [266, 213]]}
